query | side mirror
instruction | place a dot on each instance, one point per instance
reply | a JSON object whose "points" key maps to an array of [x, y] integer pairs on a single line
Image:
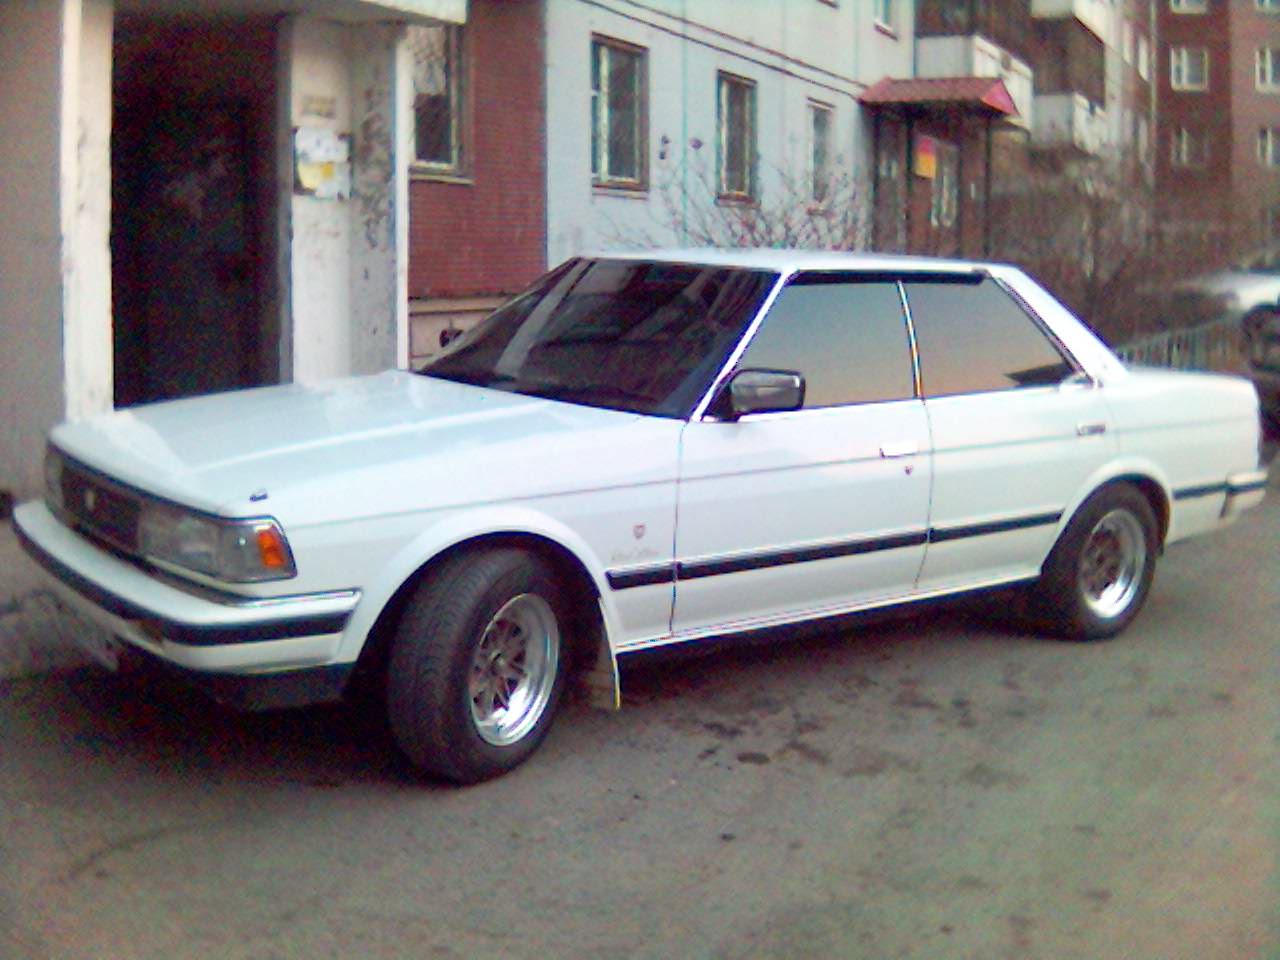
{"points": [[762, 391]]}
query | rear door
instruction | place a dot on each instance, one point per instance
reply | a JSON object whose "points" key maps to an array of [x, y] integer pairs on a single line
{"points": [[1016, 430], [787, 515]]}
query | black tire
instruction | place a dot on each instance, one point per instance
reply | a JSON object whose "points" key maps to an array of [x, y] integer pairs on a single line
{"points": [[1099, 573], [444, 649]]}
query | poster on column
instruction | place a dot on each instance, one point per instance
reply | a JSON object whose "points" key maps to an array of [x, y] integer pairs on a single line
{"points": [[322, 163]]}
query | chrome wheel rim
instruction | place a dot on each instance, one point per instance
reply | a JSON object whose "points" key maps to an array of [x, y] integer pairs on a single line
{"points": [[514, 670], [1112, 564]]}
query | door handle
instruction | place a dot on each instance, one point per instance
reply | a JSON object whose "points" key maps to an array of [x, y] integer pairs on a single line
{"points": [[1091, 429], [899, 448]]}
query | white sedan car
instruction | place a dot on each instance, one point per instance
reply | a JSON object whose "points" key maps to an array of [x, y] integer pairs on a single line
{"points": [[642, 450]]}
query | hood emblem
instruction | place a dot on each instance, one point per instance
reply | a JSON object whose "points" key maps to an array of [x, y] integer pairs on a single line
{"points": [[638, 531]]}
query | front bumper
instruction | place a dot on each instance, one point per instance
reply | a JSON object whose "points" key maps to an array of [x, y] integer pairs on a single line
{"points": [[203, 634]]}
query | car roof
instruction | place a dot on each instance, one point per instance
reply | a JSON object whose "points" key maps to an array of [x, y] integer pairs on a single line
{"points": [[787, 261]]}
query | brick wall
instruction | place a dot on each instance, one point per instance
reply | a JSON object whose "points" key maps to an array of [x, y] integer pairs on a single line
{"points": [[1194, 198], [487, 235]]}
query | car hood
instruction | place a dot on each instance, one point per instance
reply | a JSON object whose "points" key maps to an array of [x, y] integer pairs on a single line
{"points": [[391, 442]]}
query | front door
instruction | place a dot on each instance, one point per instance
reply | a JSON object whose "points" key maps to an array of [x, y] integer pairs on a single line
{"points": [[185, 260], [819, 510]]}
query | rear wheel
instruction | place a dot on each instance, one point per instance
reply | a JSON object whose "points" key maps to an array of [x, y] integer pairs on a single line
{"points": [[1099, 573], [477, 665]]}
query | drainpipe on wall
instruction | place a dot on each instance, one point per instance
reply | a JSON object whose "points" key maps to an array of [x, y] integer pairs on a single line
{"points": [[986, 195]]}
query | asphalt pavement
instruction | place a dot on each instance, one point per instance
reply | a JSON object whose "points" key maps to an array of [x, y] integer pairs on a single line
{"points": [[941, 786]]}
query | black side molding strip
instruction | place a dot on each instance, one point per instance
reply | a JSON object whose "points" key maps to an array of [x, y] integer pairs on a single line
{"points": [[195, 634], [1208, 490], [778, 558], [1246, 487], [697, 569], [642, 577], [943, 534]]}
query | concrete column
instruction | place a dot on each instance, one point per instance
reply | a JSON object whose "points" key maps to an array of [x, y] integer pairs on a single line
{"points": [[88, 361], [380, 198], [55, 194]]}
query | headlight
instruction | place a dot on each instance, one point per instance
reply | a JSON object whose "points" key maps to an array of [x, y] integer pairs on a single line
{"points": [[237, 551], [53, 494]]}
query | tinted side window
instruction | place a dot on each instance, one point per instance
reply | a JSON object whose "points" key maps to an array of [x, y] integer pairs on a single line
{"points": [[973, 337], [848, 339]]}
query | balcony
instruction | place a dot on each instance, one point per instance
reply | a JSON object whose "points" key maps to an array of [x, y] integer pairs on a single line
{"points": [[976, 56], [1069, 121], [1094, 14]]}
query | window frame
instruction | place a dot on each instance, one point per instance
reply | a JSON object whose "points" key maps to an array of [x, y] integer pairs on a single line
{"points": [[944, 197], [1268, 147], [821, 178], [1180, 154], [600, 116], [1268, 57], [725, 82], [1179, 61], [884, 14], [457, 166]]}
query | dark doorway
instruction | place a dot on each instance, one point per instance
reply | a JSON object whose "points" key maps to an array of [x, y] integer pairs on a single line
{"points": [[192, 183]]}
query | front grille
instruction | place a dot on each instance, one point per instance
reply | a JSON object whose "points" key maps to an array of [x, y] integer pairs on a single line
{"points": [[101, 509]]}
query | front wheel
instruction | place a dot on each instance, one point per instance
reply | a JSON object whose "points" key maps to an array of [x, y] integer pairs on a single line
{"points": [[1099, 573], [477, 665]]}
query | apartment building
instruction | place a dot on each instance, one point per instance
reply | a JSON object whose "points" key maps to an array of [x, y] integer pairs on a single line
{"points": [[1219, 131], [1079, 71]]}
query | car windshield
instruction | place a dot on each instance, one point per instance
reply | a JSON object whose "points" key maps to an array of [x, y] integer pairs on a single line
{"points": [[629, 335]]}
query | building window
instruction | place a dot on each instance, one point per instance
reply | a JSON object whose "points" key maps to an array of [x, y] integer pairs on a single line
{"points": [[1189, 148], [1269, 224], [1144, 57], [820, 123], [1189, 68], [884, 13], [619, 114], [736, 137], [1268, 6], [437, 97], [946, 185], [1188, 6], [1269, 146], [1267, 60]]}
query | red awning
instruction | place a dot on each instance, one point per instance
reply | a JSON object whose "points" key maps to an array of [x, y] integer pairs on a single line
{"points": [[986, 95]]}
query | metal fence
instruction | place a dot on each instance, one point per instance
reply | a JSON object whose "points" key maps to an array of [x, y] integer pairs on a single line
{"points": [[1209, 346]]}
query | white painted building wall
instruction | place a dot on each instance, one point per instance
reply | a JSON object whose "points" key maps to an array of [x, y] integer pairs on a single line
{"points": [[795, 52], [55, 192]]}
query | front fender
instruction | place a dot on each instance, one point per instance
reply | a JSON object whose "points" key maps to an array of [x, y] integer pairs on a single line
{"points": [[449, 531]]}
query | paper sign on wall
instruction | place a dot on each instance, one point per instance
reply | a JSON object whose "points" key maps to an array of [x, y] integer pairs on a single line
{"points": [[926, 159], [322, 163]]}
